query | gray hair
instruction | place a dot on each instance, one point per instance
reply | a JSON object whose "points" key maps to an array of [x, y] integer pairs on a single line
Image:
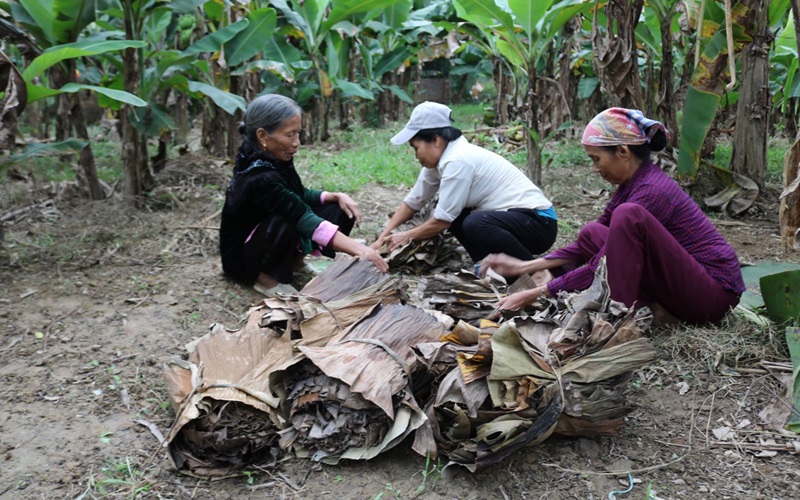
{"points": [[268, 111]]}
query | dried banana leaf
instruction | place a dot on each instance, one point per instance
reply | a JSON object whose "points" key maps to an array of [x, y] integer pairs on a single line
{"points": [[462, 295], [610, 363], [346, 276], [442, 253], [223, 422], [375, 357], [337, 315], [561, 370], [492, 442], [332, 301], [372, 365]]}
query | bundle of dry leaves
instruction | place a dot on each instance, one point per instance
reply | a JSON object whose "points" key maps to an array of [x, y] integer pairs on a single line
{"points": [[347, 368]]}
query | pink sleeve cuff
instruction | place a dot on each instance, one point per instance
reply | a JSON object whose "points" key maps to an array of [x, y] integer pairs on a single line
{"points": [[324, 233], [322, 197]]}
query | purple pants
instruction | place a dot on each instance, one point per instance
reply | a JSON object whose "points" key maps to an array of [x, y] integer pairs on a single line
{"points": [[647, 265]]}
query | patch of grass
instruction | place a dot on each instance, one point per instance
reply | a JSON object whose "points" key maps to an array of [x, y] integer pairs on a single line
{"points": [[107, 159], [559, 154], [736, 343], [468, 116], [433, 470], [776, 148], [353, 159], [121, 478]]}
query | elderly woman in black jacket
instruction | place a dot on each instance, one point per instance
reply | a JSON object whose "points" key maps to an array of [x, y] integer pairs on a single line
{"points": [[270, 221]]}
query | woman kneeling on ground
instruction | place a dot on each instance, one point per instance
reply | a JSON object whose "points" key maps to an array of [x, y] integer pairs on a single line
{"points": [[269, 220], [661, 250], [487, 203]]}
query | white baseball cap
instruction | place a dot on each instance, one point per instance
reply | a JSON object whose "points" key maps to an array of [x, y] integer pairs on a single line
{"points": [[426, 115]]}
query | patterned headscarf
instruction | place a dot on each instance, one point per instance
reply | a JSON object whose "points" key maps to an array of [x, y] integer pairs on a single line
{"points": [[617, 126]]}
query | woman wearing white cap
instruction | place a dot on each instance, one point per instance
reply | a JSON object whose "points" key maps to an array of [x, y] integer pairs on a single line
{"points": [[488, 204]]}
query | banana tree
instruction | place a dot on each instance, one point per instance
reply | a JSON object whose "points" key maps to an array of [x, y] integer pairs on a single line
{"points": [[503, 70], [312, 22], [749, 156], [657, 34], [615, 52], [523, 38], [785, 76], [56, 26], [154, 70], [704, 95]]}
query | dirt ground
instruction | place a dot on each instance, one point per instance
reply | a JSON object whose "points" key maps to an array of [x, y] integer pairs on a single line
{"points": [[95, 299]]}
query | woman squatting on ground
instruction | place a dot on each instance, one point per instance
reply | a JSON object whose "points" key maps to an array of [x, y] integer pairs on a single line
{"points": [[488, 204], [270, 221], [661, 250]]}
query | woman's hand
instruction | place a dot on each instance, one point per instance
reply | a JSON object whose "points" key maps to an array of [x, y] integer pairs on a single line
{"points": [[348, 206], [397, 240], [373, 256], [517, 301], [378, 243], [502, 264]]}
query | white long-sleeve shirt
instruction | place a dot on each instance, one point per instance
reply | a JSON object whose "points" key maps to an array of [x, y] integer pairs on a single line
{"points": [[470, 176]]}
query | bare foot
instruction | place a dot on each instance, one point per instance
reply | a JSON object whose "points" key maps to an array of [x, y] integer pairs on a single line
{"points": [[542, 277], [266, 281], [299, 262], [662, 317]]}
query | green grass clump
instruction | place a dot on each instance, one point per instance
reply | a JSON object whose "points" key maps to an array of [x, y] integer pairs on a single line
{"points": [[776, 148], [468, 116], [352, 159], [567, 153]]}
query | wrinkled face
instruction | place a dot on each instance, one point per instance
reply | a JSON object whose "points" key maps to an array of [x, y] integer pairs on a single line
{"points": [[615, 166], [428, 153], [283, 142]]}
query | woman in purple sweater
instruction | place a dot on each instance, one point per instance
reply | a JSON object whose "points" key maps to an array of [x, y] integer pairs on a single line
{"points": [[660, 248]]}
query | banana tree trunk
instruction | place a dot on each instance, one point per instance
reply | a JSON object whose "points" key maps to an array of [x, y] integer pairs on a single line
{"points": [[567, 80], [137, 175], [233, 120], [70, 116], [501, 105], [322, 116], [615, 54], [533, 161], [86, 160], [181, 117], [667, 105], [63, 124], [749, 156], [790, 198], [705, 90]]}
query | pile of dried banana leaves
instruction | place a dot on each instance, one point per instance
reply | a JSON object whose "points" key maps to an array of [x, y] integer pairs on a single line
{"points": [[439, 254], [348, 368]]}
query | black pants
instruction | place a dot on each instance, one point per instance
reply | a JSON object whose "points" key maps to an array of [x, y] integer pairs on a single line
{"points": [[519, 232], [273, 247]]}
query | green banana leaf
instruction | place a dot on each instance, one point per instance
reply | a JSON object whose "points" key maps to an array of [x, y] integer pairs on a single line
{"points": [[60, 53], [705, 91], [36, 92], [214, 41], [781, 292], [38, 149], [793, 340], [225, 100], [250, 41]]}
